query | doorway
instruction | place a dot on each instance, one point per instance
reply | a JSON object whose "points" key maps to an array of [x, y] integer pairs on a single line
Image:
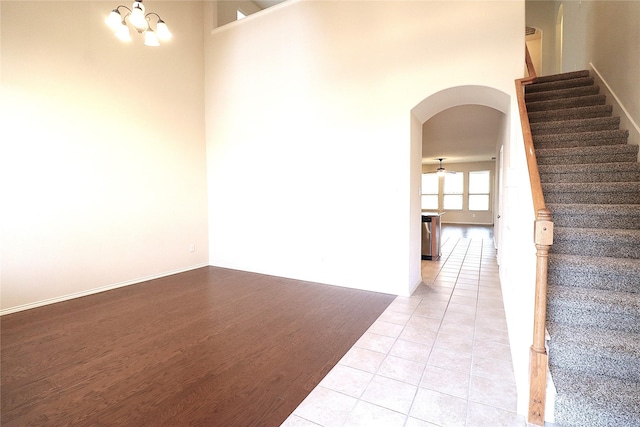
{"points": [[428, 108]]}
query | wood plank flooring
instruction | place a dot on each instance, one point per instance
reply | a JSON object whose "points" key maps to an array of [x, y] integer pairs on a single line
{"points": [[209, 347], [466, 231]]}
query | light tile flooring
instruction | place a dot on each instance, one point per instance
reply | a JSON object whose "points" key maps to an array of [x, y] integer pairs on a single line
{"points": [[438, 358]]}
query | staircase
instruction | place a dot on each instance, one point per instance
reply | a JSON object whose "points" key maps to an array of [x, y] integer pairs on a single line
{"points": [[591, 183]]}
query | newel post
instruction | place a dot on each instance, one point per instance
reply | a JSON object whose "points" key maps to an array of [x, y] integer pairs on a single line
{"points": [[543, 239]]}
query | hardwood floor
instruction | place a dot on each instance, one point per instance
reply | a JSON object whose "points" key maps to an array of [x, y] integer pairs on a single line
{"points": [[211, 346], [467, 231]]}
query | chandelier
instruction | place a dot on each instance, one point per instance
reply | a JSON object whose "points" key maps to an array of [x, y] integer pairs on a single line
{"points": [[140, 21]]}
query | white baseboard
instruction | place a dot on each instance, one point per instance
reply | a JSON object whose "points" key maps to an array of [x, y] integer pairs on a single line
{"points": [[626, 121], [412, 289], [94, 290]]}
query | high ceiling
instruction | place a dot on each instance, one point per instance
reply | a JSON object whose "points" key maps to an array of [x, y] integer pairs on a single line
{"points": [[466, 133]]}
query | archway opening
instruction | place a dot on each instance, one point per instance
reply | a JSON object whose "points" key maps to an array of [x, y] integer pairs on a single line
{"points": [[429, 107]]}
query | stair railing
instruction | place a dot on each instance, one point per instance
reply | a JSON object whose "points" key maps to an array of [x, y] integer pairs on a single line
{"points": [[543, 239]]}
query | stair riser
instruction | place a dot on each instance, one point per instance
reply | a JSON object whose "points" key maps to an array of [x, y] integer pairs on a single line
{"points": [[562, 77], [580, 160], [559, 84], [561, 104], [570, 114], [581, 136], [591, 177], [561, 93], [593, 198], [567, 126], [619, 322], [568, 277], [596, 221], [573, 360], [570, 411], [599, 249], [559, 131], [580, 143]]}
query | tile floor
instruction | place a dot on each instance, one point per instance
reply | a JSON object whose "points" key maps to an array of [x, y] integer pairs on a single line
{"points": [[438, 358]]}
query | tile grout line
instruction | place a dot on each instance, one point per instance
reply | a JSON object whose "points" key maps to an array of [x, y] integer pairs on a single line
{"points": [[471, 257]]}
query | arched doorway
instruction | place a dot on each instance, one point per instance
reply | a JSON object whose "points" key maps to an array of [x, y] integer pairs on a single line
{"points": [[426, 109]]}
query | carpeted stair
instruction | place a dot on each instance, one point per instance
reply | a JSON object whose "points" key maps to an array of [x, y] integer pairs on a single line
{"points": [[591, 183]]}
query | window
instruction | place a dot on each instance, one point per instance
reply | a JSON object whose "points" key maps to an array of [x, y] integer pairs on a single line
{"points": [[453, 189], [430, 191], [479, 186]]}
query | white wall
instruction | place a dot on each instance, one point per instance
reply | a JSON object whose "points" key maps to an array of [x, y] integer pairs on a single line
{"points": [[615, 58], [542, 15], [103, 173], [102, 157], [305, 102], [590, 43]]}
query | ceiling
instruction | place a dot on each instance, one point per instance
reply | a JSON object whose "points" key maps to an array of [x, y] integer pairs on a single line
{"points": [[466, 133]]}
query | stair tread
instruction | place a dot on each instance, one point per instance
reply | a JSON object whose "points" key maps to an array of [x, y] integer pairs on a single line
{"points": [[562, 76], [561, 92], [577, 123], [589, 264], [591, 111], [622, 343], [618, 302], [570, 187], [545, 86], [611, 310], [609, 235], [594, 209], [603, 242], [598, 134], [596, 400], [563, 103], [594, 150], [590, 167], [580, 143], [606, 216]]}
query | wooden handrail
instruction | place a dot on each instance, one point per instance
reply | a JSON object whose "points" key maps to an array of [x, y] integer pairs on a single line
{"points": [[543, 239], [532, 164]]}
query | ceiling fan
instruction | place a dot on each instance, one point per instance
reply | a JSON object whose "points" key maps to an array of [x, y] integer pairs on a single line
{"points": [[441, 170]]}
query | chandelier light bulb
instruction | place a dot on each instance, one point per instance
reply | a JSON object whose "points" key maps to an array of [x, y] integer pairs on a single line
{"points": [[122, 32], [114, 19], [137, 18], [150, 38], [163, 30]]}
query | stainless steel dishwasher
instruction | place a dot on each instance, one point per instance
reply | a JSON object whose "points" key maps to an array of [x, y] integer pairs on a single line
{"points": [[431, 230]]}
